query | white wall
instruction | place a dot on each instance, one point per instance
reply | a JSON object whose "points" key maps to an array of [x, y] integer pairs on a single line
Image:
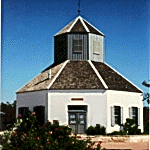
{"points": [[125, 100], [94, 99], [31, 99], [99, 103]]}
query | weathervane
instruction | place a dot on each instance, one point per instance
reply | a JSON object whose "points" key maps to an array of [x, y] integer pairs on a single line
{"points": [[79, 8]]}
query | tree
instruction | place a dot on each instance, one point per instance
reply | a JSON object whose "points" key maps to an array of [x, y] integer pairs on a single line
{"points": [[146, 95], [146, 84], [10, 113]]}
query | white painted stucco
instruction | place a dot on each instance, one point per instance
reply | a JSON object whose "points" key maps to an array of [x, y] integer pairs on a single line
{"points": [[99, 104], [125, 100], [31, 99], [94, 99]]}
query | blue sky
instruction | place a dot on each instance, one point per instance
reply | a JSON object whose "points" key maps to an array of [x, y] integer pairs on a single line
{"points": [[28, 27]]}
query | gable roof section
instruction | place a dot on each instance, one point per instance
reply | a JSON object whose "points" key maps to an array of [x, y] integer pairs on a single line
{"points": [[66, 28], [80, 75], [77, 75], [41, 81], [79, 25], [114, 80], [92, 29]]}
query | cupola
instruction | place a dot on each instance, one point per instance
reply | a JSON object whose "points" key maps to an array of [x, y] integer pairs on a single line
{"points": [[79, 40]]}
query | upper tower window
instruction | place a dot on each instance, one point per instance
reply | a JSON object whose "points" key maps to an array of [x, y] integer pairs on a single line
{"points": [[96, 47], [77, 45]]}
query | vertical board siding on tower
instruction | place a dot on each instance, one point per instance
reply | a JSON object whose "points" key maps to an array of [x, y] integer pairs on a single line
{"points": [[77, 56], [96, 57]]}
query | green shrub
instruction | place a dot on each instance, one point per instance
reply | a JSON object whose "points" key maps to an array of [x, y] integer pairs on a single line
{"points": [[97, 130], [30, 135], [130, 128]]}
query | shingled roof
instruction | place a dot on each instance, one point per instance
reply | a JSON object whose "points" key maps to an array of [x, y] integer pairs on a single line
{"points": [[113, 79], [79, 25], [79, 75], [41, 81]]}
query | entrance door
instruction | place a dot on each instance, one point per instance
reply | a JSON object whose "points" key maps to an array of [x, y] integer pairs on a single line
{"points": [[77, 120]]}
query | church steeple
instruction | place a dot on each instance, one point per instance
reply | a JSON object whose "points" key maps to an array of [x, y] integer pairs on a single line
{"points": [[79, 40]]}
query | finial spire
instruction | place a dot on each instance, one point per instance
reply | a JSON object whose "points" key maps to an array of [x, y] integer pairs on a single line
{"points": [[79, 8]]}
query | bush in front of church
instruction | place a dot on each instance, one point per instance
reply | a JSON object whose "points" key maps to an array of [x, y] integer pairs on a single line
{"points": [[131, 128], [97, 130], [50, 136]]}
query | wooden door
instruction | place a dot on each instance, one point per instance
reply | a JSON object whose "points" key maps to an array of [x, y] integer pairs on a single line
{"points": [[77, 121]]}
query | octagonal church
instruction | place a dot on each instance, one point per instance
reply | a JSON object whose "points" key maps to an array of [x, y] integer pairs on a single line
{"points": [[79, 88]]}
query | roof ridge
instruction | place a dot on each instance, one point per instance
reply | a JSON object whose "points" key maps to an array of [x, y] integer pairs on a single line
{"points": [[93, 27], [65, 27], [73, 24], [124, 77], [58, 73], [89, 28], [84, 25], [98, 74]]}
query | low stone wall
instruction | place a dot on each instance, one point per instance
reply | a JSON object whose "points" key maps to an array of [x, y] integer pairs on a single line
{"points": [[115, 138]]}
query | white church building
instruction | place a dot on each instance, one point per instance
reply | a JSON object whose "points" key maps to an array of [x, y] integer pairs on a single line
{"points": [[79, 88]]}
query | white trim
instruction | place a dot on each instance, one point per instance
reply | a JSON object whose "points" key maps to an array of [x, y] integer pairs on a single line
{"points": [[97, 73], [123, 77], [81, 19], [89, 46], [64, 27], [57, 74], [94, 27], [49, 74], [72, 24], [77, 91], [75, 20]]}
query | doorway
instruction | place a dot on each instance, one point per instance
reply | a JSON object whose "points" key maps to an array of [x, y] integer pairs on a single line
{"points": [[77, 118]]}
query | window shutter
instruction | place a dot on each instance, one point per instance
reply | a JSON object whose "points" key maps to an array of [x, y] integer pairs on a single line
{"points": [[121, 115], [26, 111], [130, 112], [112, 117], [138, 116], [40, 113]]}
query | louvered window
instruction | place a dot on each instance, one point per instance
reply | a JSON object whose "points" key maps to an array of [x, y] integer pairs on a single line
{"points": [[96, 47], [134, 113], [116, 115], [77, 45]]}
